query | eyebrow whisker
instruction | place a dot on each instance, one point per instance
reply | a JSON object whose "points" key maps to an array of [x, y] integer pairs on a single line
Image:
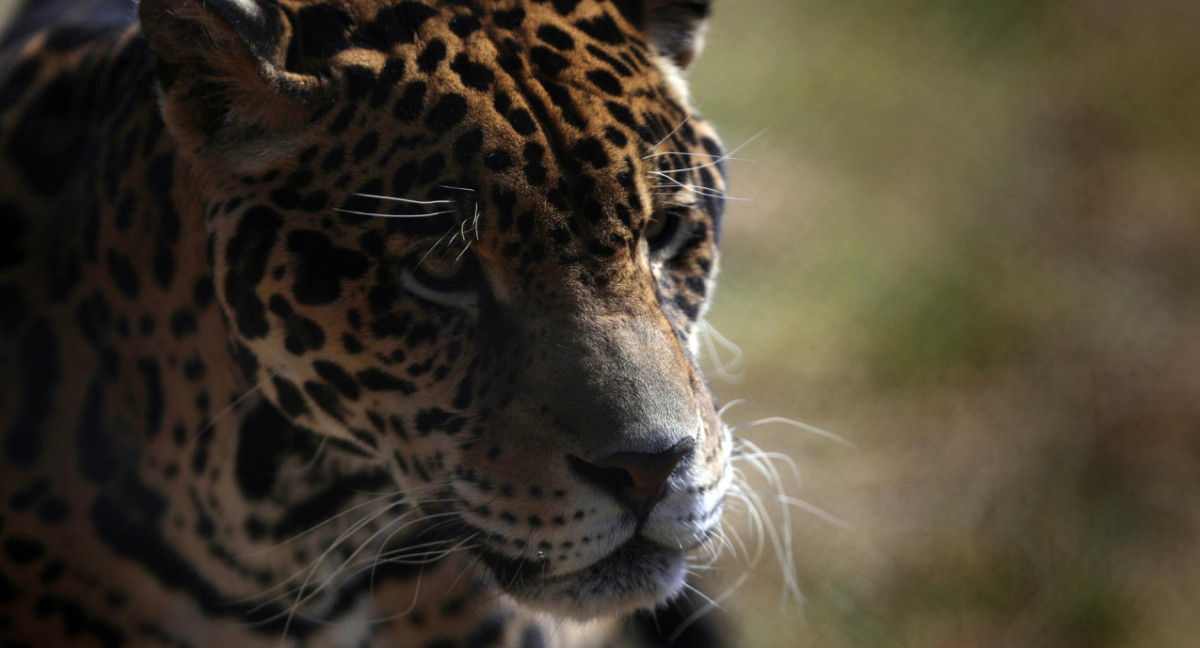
{"points": [[727, 156], [409, 201], [429, 215]]}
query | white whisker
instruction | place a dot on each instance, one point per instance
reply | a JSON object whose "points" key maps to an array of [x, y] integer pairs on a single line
{"points": [[703, 191], [271, 373], [697, 154], [710, 338], [733, 403], [464, 251], [811, 508], [712, 604], [698, 106], [436, 245], [302, 598], [342, 537], [797, 424], [725, 157], [781, 536], [409, 201], [359, 213], [322, 524]]}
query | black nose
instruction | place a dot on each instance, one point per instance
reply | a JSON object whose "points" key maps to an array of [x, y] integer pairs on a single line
{"points": [[636, 479]]}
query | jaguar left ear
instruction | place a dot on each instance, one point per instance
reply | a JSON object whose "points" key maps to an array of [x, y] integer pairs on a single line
{"points": [[675, 27], [222, 70]]}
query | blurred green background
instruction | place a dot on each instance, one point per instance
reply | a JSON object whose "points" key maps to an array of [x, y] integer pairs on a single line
{"points": [[975, 254], [971, 247]]}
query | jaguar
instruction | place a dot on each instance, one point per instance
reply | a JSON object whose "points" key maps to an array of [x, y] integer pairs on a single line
{"points": [[353, 322]]}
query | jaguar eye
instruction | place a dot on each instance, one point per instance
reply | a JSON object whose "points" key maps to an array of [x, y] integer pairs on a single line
{"points": [[447, 270], [447, 277], [441, 268], [663, 226]]}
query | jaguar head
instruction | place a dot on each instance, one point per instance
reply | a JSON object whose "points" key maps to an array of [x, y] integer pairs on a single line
{"points": [[473, 242]]}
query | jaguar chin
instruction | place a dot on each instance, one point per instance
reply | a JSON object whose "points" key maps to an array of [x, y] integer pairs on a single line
{"points": [[639, 574]]}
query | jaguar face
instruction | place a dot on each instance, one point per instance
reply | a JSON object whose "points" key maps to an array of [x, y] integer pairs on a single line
{"points": [[473, 244]]}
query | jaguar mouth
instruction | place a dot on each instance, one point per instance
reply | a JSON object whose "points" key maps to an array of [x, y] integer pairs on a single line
{"points": [[638, 574]]}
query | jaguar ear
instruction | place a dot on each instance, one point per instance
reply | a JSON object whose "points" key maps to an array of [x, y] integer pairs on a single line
{"points": [[222, 70], [675, 27]]}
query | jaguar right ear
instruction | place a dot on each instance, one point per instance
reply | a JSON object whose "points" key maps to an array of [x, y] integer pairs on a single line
{"points": [[222, 70], [674, 27]]}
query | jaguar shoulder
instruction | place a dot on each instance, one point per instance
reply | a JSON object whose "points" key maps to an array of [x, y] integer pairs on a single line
{"points": [[352, 322]]}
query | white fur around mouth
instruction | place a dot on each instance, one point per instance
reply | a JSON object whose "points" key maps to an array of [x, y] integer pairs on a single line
{"points": [[638, 574]]}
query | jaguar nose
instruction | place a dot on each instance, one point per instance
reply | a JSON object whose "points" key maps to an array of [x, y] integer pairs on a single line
{"points": [[635, 479]]}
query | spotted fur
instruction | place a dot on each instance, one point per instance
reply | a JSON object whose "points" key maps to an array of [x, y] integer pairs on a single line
{"points": [[352, 322]]}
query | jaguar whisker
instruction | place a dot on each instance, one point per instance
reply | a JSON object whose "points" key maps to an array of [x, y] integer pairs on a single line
{"points": [[710, 337], [779, 535], [703, 191], [713, 604], [711, 89], [377, 215], [302, 598], [319, 525], [342, 537], [797, 424], [409, 201], [727, 156]]}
